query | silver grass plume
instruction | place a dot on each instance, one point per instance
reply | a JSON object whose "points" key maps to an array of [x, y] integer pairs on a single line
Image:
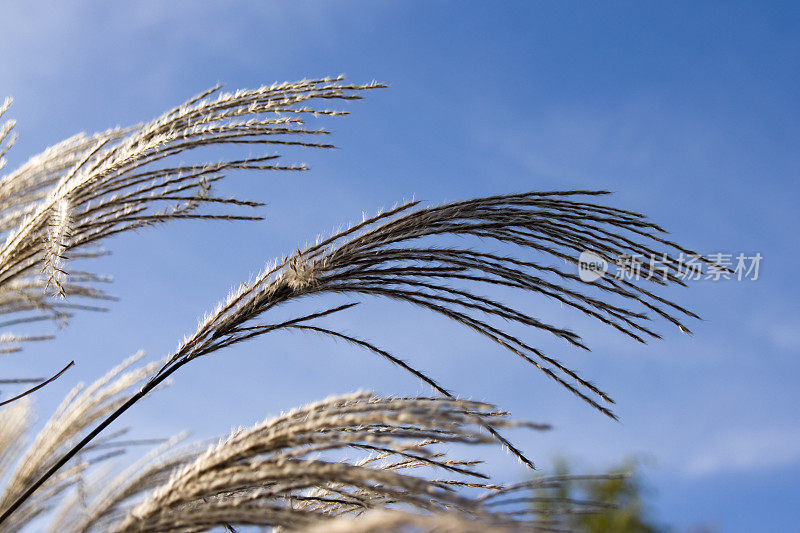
{"points": [[80, 409], [338, 457], [399, 254], [115, 182], [62, 203], [7, 137], [17, 419], [395, 255], [106, 495], [58, 235]]}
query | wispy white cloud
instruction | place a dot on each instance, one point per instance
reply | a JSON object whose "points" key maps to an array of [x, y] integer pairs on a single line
{"points": [[785, 336], [747, 449], [779, 330]]}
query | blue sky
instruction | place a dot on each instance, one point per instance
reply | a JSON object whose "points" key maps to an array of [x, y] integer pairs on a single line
{"points": [[687, 112]]}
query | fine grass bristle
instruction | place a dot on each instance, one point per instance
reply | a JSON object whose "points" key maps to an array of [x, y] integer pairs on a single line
{"points": [[359, 462], [66, 200]]}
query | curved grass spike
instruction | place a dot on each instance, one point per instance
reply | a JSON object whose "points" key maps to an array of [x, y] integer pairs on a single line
{"points": [[79, 411], [63, 202], [397, 255], [337, 458]]}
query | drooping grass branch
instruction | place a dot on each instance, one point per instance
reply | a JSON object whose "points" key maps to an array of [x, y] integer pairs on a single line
{"points": [[62, 203], [398, 255], [43, 383], [336, 458], [80, 410]]}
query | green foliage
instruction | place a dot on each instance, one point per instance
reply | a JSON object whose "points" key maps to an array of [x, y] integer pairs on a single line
{"points": [[619, 500]]}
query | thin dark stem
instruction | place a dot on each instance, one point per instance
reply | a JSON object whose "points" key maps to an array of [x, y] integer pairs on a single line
{"points": [[147, 388], [37, 387]]}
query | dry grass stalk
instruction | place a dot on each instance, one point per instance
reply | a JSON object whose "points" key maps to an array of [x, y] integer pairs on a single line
{"points": [[7, 137], [386, 256], [303, 467], [106, 496], [41, 383], [82, 408], [396, 255], [60, 204]]}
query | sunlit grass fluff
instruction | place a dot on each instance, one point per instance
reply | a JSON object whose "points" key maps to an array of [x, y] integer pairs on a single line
{"points": [[358, 462]]}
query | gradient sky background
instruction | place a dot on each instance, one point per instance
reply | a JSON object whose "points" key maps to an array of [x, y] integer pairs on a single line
{"points": [[688, 112]]}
